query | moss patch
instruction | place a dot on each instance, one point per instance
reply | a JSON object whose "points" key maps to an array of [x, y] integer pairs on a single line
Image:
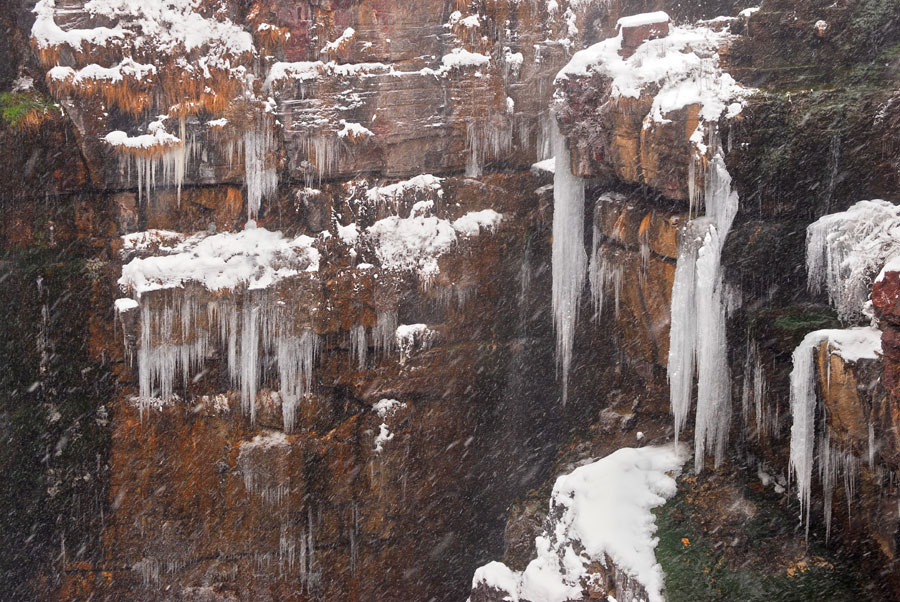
{"points": [[25, 110], [710, 551]]}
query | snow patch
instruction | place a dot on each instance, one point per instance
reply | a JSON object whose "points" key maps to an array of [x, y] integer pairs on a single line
{"points": [[600, 512]]}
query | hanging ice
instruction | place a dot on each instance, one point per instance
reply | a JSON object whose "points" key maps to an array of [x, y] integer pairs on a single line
{"points": [[851, 344], [260, 176], [569, 258], [359, 346], [296, 356], [697, 339], [845, 251]]}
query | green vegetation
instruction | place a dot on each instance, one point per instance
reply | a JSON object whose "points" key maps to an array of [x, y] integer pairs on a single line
{"points": [[696, 569], [24, 110]]}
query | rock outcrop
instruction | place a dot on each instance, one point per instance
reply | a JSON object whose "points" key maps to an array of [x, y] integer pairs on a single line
{"points": [[349, 405]]}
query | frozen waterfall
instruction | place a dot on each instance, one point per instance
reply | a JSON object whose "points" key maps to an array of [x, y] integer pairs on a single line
{"points": [[569, 257], [697, 339]]}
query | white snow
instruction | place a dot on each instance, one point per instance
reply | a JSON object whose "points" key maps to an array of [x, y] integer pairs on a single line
{"points": [[545, 166], [498, 576], [125, 304], [347, 35], [255, 257], [93, 72], [415, 243], [683, 66], [569, 259], [472, 223], [425, 184], [604, 509], [387, 407], [846, 250], [164, 26], [266, 440], [353, 130], [643, 19], [304, 71], [157, 139], [459, 58], [412, 338], [384, 435]]}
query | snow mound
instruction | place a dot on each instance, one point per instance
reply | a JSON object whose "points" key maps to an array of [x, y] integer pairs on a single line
{"points": [[255, 256], [683, 67], [600, 512], [415, 243]]}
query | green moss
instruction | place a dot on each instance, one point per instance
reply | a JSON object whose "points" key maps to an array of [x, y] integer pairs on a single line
{"points": [[20, 110], [696, 570]]}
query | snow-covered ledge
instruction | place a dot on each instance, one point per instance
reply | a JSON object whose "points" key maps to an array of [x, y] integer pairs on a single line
{"points": [[599, 538]]}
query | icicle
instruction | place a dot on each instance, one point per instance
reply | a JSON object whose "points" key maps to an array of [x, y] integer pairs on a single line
{"points": [[296, 358], [354, 537], [697, 338], [606, 271], [260, 176], [248, 376], [871, 446], [385, 328], [358, 346], [473, 161], [569, 258], [803, 410], [682, 339]]}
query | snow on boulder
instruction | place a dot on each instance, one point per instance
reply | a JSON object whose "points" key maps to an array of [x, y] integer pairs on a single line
{"points": [[415, 243], [637, 29], [681, 68], [600, 513], [255, 257]]}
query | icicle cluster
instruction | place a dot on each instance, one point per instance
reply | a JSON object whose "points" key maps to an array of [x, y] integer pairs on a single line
{"points": [[358, 346], [259, 172], [851, 344], [178, 337], [606, 272], [846, 250], [485, 140], [697, 340], [569, 258], [753, 394]]}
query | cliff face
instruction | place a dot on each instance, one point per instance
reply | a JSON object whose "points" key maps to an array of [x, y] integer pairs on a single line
{"points": [[281, 275]]}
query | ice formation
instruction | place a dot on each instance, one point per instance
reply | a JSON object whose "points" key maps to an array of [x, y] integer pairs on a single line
{"points": [[697, 341], [846, 250], [569, 259], [179, 329], [600, 513], [259, 174], [358, 346], [412, 338], [852, 345], [606, 270]]}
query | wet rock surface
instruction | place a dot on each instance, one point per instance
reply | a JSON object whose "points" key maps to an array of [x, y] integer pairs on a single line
{"points": [[117, 498]]}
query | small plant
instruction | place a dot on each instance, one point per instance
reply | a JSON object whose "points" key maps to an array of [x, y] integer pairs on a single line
{"points": [[25, 110]]}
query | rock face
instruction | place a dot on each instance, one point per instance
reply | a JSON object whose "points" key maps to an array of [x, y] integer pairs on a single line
{"points": [[353, 415]]}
